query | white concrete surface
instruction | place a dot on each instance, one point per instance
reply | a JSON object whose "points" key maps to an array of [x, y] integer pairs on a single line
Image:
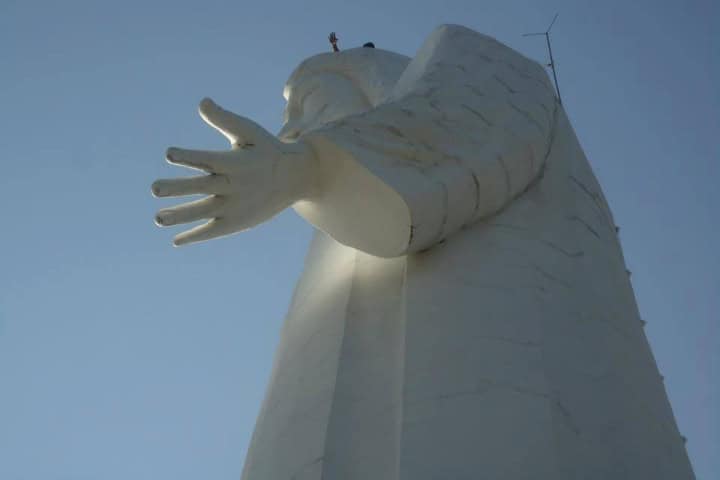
{"points": [[465, 310]]}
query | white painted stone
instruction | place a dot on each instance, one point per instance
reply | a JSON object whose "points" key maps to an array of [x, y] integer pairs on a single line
{"points": [[465, 310]]}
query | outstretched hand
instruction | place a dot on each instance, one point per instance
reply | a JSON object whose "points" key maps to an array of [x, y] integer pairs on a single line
{"points": [[253, 181]]}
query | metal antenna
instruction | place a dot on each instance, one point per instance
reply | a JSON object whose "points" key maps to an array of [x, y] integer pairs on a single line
{"points": [[552, 62]]}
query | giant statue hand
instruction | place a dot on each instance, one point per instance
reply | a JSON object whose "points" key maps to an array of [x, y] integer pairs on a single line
{"points": [[392, 155], [246, 185]]}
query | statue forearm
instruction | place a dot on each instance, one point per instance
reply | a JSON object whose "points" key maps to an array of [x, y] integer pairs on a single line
{"points": [[407, 175], [373, 198]]}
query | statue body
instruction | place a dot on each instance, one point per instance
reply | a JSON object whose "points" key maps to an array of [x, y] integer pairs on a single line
{"points": [[465, 310]]}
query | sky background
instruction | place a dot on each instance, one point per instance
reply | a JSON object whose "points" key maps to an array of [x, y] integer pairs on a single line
{"points": [[122, 357]]}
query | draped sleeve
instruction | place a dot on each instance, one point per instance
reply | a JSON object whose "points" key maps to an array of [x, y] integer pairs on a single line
{"points": [[466, 129]]}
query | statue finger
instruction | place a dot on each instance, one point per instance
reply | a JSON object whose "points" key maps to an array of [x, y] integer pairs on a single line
{"points": [[239, 130], [216, 227], [189, 212], [177, 187], [209, 161]]}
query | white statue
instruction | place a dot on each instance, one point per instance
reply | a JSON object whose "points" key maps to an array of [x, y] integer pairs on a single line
{"points": [[465, 311]]}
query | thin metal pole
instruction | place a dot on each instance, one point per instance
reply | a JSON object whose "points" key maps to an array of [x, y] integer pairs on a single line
{"points": [[552, 60], [552, 65]]}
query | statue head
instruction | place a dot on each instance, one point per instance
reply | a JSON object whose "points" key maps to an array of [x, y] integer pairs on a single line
{"points": [[331, 86]]}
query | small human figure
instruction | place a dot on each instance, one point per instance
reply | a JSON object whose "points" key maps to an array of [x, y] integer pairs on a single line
{"points": [[333, 41]]}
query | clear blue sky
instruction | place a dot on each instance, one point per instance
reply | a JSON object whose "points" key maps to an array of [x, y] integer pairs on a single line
{"points": [[122, 357]]}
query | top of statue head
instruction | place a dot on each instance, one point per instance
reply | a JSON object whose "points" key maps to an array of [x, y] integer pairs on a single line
{"points": [[373, 71], [330, 86]]}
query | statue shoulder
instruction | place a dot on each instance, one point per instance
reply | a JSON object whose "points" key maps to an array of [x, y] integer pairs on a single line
{"points": [[454, 56]]}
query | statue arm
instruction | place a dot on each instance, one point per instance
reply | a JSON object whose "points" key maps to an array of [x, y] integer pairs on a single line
{"points": [[465, 131]]}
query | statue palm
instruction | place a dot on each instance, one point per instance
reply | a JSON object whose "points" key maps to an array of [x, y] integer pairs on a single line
{"points": [[253, 181]]}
